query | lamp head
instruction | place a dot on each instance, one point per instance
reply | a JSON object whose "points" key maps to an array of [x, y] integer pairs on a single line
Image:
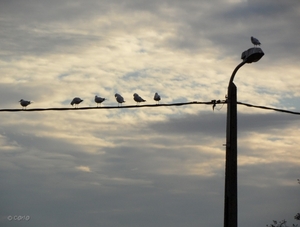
{"points": [[253, 54]]}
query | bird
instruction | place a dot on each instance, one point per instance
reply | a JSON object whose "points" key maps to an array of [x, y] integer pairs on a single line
{"points": [[156, 97], [119, 99], [24, 103], [138, 98], [76, 101], [99, 100], [255, 41]]}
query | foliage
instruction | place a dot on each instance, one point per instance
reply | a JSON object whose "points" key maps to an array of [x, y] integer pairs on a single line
{"points": [[280, 224], [283, 222]]}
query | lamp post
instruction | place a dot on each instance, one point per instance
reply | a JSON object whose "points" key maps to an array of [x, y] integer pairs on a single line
{"points": [[230, 201]]}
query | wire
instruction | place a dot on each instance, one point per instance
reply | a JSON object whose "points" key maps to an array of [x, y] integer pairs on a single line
{"points": [[268, 108], [212, 102], [107, 107]]}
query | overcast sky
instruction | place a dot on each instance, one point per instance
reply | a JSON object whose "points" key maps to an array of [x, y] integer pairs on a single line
{"points": [[151, 167]]}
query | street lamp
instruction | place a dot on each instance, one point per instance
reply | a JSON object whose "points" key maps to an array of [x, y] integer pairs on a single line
{"points": [[230, 203]]}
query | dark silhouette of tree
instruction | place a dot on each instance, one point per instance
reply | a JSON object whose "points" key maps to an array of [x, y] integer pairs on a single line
{"points": [[283, 222], [297, 216], [280, 224]]}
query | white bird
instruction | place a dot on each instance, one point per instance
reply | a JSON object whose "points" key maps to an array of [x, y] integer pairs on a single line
{"points": [[24, 103], [138, 98], [119, 98], [76, 101], [99, 100], [157, 97], [255, 41]]}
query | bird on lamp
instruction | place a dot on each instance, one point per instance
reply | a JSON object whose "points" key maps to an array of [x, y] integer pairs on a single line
{"points": [[255, 41]]}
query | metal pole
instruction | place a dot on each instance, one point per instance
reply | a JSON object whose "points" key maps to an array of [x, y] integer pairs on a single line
{"points": [[230, 204]]}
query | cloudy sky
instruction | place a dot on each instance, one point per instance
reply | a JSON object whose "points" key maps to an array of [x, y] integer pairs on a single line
{"points": [[152, 167]]}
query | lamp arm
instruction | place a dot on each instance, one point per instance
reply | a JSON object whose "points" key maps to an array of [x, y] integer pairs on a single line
{"points": [[235, 70]]}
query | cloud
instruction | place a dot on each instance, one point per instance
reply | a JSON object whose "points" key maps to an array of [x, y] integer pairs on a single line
{"points": [[84, 169]]}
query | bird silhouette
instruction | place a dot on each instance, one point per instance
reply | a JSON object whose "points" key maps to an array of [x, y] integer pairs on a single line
{"points": [[255, 41], [138, 98], [76, 101], [119, 99], [24, 103], [99, 100], [156, 97]]}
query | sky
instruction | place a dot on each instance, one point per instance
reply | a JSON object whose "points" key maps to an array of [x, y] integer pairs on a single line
{"points": [[163, 166]]}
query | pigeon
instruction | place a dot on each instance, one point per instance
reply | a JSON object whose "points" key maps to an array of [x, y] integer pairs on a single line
{"points": [[138, 98], [157, 97], [76, 101], [99, 100], [119, 98], [24, 103], [255, 41]]}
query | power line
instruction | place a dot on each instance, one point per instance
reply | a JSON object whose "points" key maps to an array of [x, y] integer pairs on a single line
{"points": [[212, 102], [268, 108], [108, 107]]}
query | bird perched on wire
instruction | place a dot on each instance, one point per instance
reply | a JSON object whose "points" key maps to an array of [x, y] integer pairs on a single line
{"points": [[156, 97], [138, 98], [24, 103], [99, 100], [255, 41], [119, 99], [76, 101]]}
